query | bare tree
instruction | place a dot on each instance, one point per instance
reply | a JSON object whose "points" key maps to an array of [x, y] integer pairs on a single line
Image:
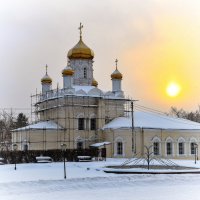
{"points": [[181, 113], [8, 122], [148, 156]]}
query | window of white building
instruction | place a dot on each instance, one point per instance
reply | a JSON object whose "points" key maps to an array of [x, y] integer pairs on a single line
{"points": [[181, 148], [192, 148], [169, 148], [119, 145], [156, 148]]}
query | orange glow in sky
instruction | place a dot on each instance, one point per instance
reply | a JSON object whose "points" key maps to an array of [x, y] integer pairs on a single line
{"points": [[169, 59]]}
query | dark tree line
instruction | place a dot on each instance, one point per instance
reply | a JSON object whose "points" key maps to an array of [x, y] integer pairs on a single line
{"points": [[21, 120], [55, 154], [181, 113]]}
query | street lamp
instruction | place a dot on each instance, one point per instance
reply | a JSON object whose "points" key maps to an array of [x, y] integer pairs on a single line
{"points": [[15, 148], [104, 151], [195, 152], [64, 147]]}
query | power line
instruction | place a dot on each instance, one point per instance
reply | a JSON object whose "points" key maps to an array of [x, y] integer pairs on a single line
{"points": [[164, 115], [15, 108]]}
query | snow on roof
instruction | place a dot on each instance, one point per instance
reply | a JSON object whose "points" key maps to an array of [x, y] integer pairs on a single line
{"points": [[100, 144], [50, 125], [152, 120], [80, 90], [83, 87]]}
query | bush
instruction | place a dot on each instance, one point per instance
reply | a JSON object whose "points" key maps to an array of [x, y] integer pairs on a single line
{"points": [[56, 155]]}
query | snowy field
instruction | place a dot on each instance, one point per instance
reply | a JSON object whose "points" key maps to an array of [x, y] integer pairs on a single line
{"points": [[87, 181]]}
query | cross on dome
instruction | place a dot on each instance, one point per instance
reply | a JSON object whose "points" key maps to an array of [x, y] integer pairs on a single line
{"points": [[116, 61], [46, 68], [46, 78], [80, 50], [116, 74], [80, 28]]}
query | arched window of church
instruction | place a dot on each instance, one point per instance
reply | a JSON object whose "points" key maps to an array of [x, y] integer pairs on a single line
{"points": [[85, 72], [93, 124], [181, 148], [25, 147], [119, 148], [192, 147], [81, 124]]}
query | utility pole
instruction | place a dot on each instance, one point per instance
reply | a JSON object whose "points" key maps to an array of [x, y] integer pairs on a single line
{"points": [[133, 128]]}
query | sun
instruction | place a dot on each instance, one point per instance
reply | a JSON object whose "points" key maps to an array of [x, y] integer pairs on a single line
{"points": [[173, 89]]}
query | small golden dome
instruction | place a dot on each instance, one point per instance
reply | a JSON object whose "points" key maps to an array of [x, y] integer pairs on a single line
{"points": [[46, 79], [80, 50], [116, 75], [67, 71], [94, 83]]}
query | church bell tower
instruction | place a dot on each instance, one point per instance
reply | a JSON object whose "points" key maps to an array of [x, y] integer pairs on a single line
{"points": [[116, 78], [81, 62], [46, 82]]}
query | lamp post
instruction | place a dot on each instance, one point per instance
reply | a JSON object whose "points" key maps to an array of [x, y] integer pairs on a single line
{"points": [[195, 152], [64, 147], [15, 148], [105, 151]]}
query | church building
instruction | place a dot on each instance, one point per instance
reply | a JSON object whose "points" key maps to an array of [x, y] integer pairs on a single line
{"points": [[81, 115]]}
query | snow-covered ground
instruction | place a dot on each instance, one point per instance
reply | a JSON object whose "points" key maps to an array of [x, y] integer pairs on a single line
{"points": [[88, 181]]}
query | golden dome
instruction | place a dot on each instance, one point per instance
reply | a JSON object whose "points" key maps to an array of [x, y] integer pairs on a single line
{"points": [[116, 75], [46, 79], [80, 50], [94, 83], [67, 71]]}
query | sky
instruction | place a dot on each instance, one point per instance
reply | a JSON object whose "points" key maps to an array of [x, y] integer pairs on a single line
{"points": [[156, 42]]}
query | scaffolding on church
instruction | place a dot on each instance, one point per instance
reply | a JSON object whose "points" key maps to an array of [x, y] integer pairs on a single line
{"points": [[65, 110]]}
